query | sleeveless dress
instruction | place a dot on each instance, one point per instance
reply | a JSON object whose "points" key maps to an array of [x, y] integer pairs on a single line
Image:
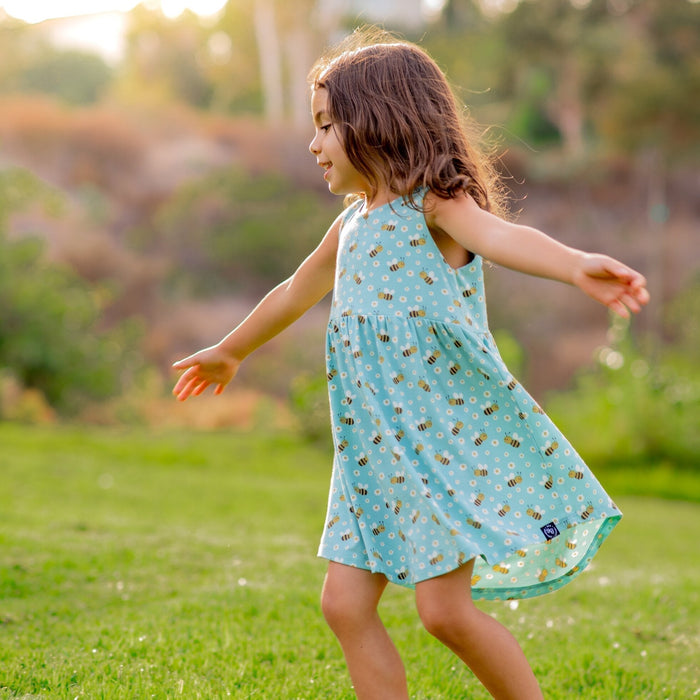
{"points": [[440, 454]]}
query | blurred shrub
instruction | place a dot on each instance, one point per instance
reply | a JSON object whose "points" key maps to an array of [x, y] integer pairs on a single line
{"points": [[22, 405], [93, 146], [50, 335], [49, 330], [76, 77], [32, 63], [233, 230], [630, 408]]}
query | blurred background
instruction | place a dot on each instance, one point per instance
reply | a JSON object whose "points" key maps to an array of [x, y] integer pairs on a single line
{"points": [[155, 182]]}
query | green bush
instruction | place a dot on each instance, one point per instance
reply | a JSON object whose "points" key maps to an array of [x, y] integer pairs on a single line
{"points": [[50, 335], [631, 408], [76, 77], [234, 231]]}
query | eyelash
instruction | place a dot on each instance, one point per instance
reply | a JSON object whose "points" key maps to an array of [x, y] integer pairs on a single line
{"points": [[325, 128]]}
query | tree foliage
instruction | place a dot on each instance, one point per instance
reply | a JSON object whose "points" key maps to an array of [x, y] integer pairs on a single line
{"points": [[31, 64], [75, 77], [233, 231], [601, 74], [652, 102], [583, 74], [50, 335], [164, 59]]}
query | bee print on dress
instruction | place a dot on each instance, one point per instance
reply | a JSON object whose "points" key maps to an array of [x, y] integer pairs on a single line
{"points": [[514, 479], [502, 510], [547, 481], [478, 438], [431, 356], [551, 447], [456, 399], [440, 454], [513, 440], [455, 428]]}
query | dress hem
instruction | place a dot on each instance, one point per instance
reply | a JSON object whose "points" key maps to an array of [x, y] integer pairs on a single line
{"points": [[499, 592]]}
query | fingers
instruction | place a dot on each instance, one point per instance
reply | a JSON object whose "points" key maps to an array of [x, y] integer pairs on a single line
{"points": [[619, 308], [639, 281], [192, 388], [184, 363], [630, 293], [635, 297], [637, 287], [190, 384], [629, 301], [184, 379], [186, 390], [614, 269], [200, 386], [642, 294]]}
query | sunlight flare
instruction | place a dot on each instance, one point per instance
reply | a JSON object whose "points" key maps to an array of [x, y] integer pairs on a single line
{"points": [[33, 11]]}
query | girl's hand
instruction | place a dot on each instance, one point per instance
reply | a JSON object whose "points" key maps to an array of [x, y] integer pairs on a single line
{"points": [[611, 283], [209, 366]]}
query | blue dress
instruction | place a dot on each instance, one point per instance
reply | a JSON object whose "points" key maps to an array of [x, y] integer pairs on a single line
{"points": [[441, 456]]}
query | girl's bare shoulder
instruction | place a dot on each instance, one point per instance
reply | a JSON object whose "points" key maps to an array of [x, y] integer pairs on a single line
{"points": [[440, 212]]}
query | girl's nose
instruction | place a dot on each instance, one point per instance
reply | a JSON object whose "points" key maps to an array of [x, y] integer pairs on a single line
{"points": [[315, 150]]}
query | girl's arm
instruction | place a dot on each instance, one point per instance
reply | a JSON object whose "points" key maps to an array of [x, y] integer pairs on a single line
{"points": [[528, 250], [218, 364]]}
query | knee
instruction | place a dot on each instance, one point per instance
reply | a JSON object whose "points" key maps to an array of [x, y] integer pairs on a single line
{"points": [[444, 620], [340, 609]]}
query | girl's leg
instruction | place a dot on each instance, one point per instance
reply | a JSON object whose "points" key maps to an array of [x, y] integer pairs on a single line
{"points": [[445, 606], [349, 602]]}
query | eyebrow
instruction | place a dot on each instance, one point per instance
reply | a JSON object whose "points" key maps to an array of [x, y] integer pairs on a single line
{"points": [[318, 115]]}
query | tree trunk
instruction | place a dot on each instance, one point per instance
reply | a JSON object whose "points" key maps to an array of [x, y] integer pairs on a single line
{"points": [[270, 60], [299, 63]]}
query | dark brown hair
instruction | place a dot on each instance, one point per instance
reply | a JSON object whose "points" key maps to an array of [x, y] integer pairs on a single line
{"points": [[399, 122]]}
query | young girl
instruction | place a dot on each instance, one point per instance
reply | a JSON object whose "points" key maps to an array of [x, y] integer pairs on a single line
{"points": [[447, 475]]}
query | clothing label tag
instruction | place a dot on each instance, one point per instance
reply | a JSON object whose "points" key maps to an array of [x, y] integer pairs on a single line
{"points": [[550, 531]]}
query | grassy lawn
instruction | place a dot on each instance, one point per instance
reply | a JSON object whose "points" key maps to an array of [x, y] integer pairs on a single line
{"points": [[137, 565]]}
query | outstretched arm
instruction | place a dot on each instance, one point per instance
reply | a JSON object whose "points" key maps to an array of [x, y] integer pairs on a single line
{"points": [[218, 364], [528, 250]]}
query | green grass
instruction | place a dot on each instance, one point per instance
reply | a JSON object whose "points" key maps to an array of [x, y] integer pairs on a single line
{"points": [[137, 565]]}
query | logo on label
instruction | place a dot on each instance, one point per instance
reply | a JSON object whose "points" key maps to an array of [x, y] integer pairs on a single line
{"points": [[550, 531]]}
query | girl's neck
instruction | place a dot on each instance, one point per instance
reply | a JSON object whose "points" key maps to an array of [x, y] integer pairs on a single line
{"points": [[381, 198]]}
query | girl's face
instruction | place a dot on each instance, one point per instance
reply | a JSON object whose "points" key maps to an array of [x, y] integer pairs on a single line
{"points": [[341, 176]]}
